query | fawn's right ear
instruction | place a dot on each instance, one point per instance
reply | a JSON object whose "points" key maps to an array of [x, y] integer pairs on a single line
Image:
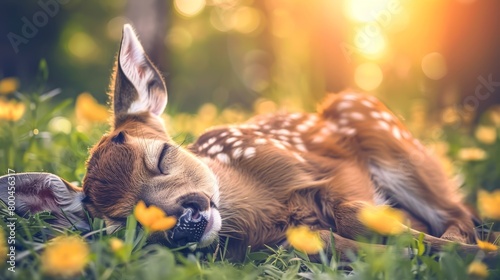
{"points": [[138, 86], [31, 193]]}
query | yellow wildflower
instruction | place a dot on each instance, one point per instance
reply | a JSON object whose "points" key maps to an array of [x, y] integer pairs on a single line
{"points": [[489, 204], [8, 85], [478, 269], [12, 110], [116, 244], [486, 246], [471, 154], [3, 248], [87, 109], [382, 219], [153, 218], [486, 134], [305, 240], [65, 256]]}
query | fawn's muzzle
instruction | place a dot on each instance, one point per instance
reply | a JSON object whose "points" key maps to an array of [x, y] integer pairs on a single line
{"points": [[190, 227]]}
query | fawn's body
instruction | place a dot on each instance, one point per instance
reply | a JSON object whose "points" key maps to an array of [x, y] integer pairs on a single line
{"points": [[283, 170]]}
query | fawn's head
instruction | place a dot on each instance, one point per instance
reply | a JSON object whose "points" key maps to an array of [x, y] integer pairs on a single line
{"points": [[137, 160]]}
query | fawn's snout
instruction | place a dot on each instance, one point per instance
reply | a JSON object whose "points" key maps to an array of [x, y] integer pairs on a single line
{"points": [[195, 218]]}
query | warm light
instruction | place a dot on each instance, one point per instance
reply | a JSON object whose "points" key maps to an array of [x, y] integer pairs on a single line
{"points": [[434, 66], [189, 8], [368, 76], [370, 43], [246, 20], [283, 23], [371, 10]]}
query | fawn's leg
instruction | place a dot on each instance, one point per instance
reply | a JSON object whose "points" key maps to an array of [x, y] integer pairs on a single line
{"points": [[399, 167]]}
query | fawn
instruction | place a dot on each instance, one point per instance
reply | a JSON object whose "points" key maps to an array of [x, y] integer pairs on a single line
{"points": [[250, 182]]}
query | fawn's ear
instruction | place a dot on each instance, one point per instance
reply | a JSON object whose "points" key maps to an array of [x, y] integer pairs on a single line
{"points": [[138, 86], [31, 193]]}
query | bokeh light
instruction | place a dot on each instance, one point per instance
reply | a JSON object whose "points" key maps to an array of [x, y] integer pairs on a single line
{"points": [[82, 46], [434, 66], [189, 8], [368, 76], [366, 11], [246, 20]]}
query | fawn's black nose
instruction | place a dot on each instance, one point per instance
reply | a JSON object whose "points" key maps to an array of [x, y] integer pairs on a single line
{"points": [[192, 223]]}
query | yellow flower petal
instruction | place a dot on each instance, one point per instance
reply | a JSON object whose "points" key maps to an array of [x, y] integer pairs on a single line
{"points": [[88, 110], [382, 219], [162, 224], [478, 269], [65, 256], [11, 110], [305, 240], [489, 204], [8, 85], [153, 218], [486, 246]]}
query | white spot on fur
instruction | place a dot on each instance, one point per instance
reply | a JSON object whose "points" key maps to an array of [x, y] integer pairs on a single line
{"points": [[283, 137], [343, 121], [375, 115], [302, 127], [211, 140], [349, 131], [249, 152], [383, 125], [396, 133], [260, 141], [350, 97], [237, 143], [324, 131], [237, 153], [344, 105], [318, 139], [357, 116], [301, 147], [333, 127], [283, 132], [386, 116], [295, 116], [231, 140], [222, 157], [297, 140], [367, 103], [224, 134], [215, 149], [235, 132]]}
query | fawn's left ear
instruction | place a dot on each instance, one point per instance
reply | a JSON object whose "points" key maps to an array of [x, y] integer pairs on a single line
{"points": [[31, 193], [138, 85]]}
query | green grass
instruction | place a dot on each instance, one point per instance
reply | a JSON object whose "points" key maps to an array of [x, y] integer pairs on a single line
{"points": [[34, 144]]}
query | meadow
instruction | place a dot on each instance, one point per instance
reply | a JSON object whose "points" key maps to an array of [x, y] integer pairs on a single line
{"points": [[39, 132]]}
